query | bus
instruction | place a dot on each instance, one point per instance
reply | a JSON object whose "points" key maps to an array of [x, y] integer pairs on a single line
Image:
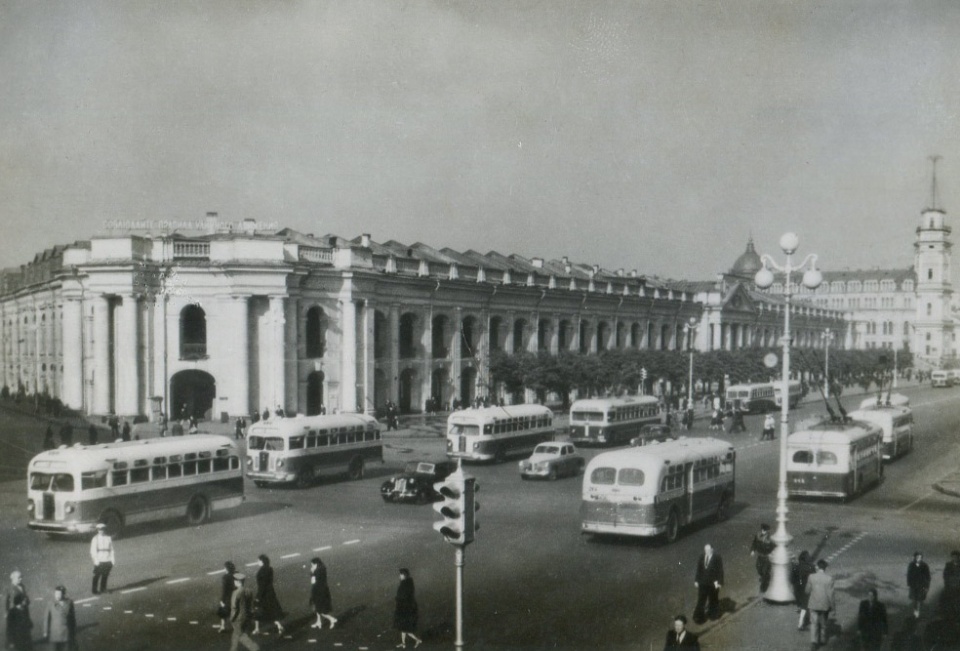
{"points": [[300, 449], [754, 398], [612, 421], [833, 459], [940, 379], [896, 421], [71, 489], [658, 488], [794, 391], [491, 433]]}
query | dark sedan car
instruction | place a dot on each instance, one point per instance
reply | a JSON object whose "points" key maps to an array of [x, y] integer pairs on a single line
{"points": [[416, 482]]}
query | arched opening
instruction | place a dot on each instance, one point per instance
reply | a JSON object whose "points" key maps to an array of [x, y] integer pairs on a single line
{"points": [[380, 339], [563, 335], [380, 386], [408, 393], [519, 330], [316, 332], [635, 335], [664, 337], [193, 332], [543, 335], [621, 336], [584, 337], [468, 337], [439, 390], [468, 385], [407, 335], [603, 335], [192, 393], [315, 393], [496, 324], [440, 336]]}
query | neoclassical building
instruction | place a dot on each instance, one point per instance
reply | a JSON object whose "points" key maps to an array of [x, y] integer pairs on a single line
{"points": [[235, 319]]}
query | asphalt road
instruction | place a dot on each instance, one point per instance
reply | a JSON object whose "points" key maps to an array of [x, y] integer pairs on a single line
{"points": [[532, 580]]}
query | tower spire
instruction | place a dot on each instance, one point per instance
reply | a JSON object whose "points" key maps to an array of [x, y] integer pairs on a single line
{"points": [[933, 181]]}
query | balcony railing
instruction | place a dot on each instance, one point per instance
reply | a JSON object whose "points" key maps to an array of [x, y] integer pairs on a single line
{"points": [[315, 254], [191, 250]]}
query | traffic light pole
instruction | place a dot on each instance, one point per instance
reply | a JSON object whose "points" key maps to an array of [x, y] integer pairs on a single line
{"points": [[459, 562]]}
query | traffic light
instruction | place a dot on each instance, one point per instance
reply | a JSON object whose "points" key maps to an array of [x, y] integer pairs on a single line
{"points": [[458, 508]]}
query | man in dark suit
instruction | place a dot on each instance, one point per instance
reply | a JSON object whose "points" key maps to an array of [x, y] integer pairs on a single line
{"points": [[872, 622], [708, 580], [680, 637]]}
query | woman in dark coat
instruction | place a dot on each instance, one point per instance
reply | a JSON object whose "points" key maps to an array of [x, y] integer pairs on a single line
{"points": [[799, 577], [267, 607], [320, 597], [405, 615], [227, 586]]}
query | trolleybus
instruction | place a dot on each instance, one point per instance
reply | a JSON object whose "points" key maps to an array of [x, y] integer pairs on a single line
{"points": [[658, 488], [611, 420], [492, 433], [753, 398], [897, 425], [834, 459], [794, 392], [941, 379], [71, 489], [302, 448]]}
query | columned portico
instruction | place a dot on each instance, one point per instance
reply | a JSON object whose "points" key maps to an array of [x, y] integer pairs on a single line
{"points": [[127, 368], [72, 376], [103, 377]]}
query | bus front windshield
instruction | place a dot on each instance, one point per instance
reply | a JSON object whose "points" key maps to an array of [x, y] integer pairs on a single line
{"points": [[59, 482], [587, 416], [274, 443], [464, 430]]}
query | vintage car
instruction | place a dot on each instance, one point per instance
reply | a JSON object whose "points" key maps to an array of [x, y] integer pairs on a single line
{"points": [[651, 433], [416, 482], [552, 460]]}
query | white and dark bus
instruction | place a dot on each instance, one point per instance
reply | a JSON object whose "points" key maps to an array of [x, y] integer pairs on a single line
{"points": [[301, 449], [658, 488], [897, 425], [832, 459], [754, 398], [611, 421], [492, 433], [71, 489], [794, 393]]}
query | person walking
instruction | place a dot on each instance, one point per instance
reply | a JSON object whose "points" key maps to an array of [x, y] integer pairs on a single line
{"points": [[60, 623], [48, 442], [17, 609], [238, 433], [820, 601], [709, 580], [227, 585], [769, 425], [92, 434], [241, 613], [125, 430], [950, 598], [918, 582], [799, 577], [102, 553], [267, 602], [406, 614], [320, 597], [679, 637], [761, 547], [872, 622]]}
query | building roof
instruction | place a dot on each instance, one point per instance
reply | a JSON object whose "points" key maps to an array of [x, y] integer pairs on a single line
{"points": [[748, 264]]}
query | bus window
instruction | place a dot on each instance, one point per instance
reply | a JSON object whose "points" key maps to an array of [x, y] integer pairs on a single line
{"points": [[221, 463], [630, 477], [203, 465], [58, 482], [158, 472], [488, 429], [139, 475], [118, 478], [825, 458], [95, 479], [296, 442], [174, 470], [803, 456], [603, 476]]}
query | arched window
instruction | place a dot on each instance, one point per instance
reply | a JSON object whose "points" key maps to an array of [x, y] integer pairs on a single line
{"points": [[193, 332], [316, 332]]}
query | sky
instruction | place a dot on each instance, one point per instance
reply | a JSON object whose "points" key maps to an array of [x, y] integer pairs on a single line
{"points": [[649, 135]]}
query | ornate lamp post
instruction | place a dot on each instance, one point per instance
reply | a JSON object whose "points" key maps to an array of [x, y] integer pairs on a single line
{"points": [[780, 590], [690, 328], [827, 336]]}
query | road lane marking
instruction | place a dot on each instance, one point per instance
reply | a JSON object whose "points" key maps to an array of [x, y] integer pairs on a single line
{"points": [[195, 622], [352, 542], [133, 590], [252, 564], [83, 601], [149, 615], [127, 612], [224, 571], [914, 502], [171, 619], [293, 555], [172, 581], [323, 549]]}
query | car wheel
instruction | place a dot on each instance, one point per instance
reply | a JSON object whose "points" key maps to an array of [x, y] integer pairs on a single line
{"points": [[581, 467], [673, 527]]}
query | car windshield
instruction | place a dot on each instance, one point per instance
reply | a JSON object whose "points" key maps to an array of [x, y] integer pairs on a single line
{"points": [[546, 449]]}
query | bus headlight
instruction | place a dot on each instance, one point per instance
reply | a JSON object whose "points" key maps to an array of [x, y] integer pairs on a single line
{"points": [[249, 462], [30, 506], [476, 446], [68, 508], [279, 463]]}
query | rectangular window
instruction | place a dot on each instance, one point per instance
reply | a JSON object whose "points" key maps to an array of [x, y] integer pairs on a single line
{"points": [[174, 470], [139, 475], [203, 465], [96, 479], [189, 468], [296, 442], [221, 463], [118, 478]]}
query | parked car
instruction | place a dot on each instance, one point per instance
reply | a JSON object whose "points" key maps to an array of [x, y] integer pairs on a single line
{"points": [[652, 432], [553, 460], [416, 482]]}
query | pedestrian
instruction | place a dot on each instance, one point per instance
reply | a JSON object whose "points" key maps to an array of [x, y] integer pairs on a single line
{"points": [[17, 609], [163, 424], [872, 622], [716, 420], [66, 434], [709, 579], [241, 613], [320, 597], [238, 433], [92, 434], [761, 547], [405, 615], [125, 432], [950, 598], [48, 442], [679, 637], [738, 424], [60, 623], [114, 427], [799, 577], [267, 604], [820, 601], [227, 586], [266, 414], [918, 581], [769, 425], [102, 553]]}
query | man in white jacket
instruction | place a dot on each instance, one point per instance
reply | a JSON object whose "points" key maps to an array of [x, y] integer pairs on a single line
{"points": [[101, 551]]}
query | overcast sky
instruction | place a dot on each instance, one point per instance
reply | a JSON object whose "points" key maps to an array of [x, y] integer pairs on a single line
{"points": [[649, 135]]}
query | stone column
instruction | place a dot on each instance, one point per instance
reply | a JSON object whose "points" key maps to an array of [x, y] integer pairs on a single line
{"points": [[127, 362], [553, 343], [456, 352], [72, 377], [291, 338], [101, 355], [278, 371], [508, 343], [533, 340], [348, 355], [369, 357], [160, 352], [238, 318], [426, 341], [393, 370]]}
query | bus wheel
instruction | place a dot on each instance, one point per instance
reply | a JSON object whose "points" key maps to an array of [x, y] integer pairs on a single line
{"points": [[304, 478], [356, 469], [113, 522], [723, 509], [198, 510], [673, 527]]}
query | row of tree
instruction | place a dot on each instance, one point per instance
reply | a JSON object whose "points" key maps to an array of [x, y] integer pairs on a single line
{"points": [[618, 372]]}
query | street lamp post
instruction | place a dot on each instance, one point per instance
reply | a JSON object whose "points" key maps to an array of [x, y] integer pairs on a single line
{"points": [[690, 328], [827, 336], [780, 589]]}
